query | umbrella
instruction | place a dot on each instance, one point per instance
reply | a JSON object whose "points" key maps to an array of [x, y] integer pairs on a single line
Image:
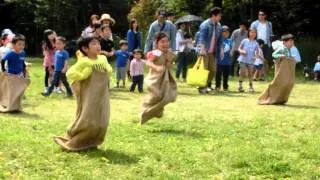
{"points": [[188, 19]]}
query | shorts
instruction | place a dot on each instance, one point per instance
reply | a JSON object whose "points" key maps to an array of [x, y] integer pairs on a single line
{"points": [[258, 67], [244, 65], [121, 74]]}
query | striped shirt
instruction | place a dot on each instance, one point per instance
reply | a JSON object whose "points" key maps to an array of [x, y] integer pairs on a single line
{"points": [[137, 67]]}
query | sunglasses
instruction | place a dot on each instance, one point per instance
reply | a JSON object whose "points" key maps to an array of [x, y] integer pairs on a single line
{"points": [[261, 14]]}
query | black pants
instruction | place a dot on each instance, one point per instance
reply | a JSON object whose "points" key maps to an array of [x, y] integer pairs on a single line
{"points": [[47, 75], [57, 76], [137, 80], [182, 60], [223, 70], [235, 57]]}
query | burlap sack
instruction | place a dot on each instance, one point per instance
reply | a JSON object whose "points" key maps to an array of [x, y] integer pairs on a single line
{"points": [[162, 90], [89, 128], [12, 89], [279, 89]]}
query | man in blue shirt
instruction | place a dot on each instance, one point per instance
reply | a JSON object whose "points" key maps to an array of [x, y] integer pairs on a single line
{"points": [[15, 57], [161, 25], [61, 65], [122, 57], [210, 40]]}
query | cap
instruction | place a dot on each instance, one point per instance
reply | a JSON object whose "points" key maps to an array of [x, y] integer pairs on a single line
{"points": [[225, 28]]}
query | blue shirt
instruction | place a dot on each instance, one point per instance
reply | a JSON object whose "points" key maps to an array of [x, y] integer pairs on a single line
{"points": [[227, 43], [15, 61], [168, 28], [134, 40], [317, 67], [206, 32], [60, 57], [122, 58], [251, 47]]}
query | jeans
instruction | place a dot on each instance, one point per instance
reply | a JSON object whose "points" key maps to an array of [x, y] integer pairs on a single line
{"points": [[137, 80], [182, 60], [57, 76], [223, 70]]}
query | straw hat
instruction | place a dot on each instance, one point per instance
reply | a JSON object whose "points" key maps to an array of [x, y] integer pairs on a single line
{"points": [[107, 17]]}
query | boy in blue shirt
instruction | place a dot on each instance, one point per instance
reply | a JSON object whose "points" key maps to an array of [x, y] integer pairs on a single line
{"points": [[61, 65], [122, 57], [225, 63], [15, 58]]}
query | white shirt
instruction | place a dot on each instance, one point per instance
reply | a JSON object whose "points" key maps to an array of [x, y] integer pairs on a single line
{"points": [[259, 60], [179, 45], [262, 32]]}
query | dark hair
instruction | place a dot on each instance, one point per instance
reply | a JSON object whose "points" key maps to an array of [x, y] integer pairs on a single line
{"points": [[138, 51], [62, 39], [262, 10], [105, 26], [18, 37], [132, 21], [46, 40], [97, 25], [159, 36], [252, 29], [215, 11], [260, 41], [123, 42], [242, 22], [84, 42]]}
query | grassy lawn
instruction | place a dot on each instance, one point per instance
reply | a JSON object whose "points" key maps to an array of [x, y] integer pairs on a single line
{"points": [[223, 136]]}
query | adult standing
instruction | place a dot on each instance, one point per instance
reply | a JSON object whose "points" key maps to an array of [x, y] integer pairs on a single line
{"points": [[236, 37], [264, 32], [107, 20], [89, 30], [184, 47], [211, 42], [134, 37], [161, 25]]}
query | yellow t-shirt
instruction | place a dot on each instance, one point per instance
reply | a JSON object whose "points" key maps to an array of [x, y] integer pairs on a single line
{"points": [[85, 66]]}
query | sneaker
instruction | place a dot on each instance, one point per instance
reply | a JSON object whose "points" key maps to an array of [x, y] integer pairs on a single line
{"points": [[241, 89], [45, 94], [58, 90], [202, 91], [209, 89], [45, 90], [251, 89]]}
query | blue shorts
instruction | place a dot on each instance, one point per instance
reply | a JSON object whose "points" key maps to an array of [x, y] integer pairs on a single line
{"points": [[258, 67]]}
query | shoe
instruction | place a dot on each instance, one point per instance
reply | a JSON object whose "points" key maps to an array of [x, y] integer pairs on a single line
{"points": [[251, 90], [45, 94], [261, 79], [254, 79], [59, 91], [225, 90], [209, 89], [202, 91], [241, 89], [45, 90]]}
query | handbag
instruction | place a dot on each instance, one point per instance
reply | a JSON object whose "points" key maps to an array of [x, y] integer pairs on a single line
{"points": [[198, 75]]}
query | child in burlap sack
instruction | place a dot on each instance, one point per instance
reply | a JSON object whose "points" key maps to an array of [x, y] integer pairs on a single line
{"points": [[89, 78], [162, 87], [279, 89]]}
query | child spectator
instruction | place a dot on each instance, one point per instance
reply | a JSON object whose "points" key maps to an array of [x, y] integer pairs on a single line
{"points": [[316, 69], [48, 51], [89, 78], [122, 57], [61, 58], [137, 70], [248, 48], [225, 63], [107, 45], [258, 63]]}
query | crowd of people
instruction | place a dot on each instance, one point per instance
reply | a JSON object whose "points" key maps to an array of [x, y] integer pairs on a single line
{"points": [[247, 53]]}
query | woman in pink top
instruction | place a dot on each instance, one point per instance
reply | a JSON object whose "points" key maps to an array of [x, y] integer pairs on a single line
{"points": [[48, 50]]}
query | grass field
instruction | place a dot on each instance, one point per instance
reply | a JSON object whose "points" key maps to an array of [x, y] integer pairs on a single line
{"points": [[222, 136]]}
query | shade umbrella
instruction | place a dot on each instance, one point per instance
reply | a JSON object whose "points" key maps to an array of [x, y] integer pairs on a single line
{"points": [[188, 19]]}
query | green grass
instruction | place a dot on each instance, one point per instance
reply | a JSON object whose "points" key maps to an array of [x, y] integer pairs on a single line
{"points": [[223, 136]]}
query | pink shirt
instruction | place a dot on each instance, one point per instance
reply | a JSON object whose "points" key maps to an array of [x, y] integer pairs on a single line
{"points": [[48, 57], [137, 67]]}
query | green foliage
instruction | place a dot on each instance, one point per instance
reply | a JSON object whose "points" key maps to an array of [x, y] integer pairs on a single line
{"points": [[222, 136]]}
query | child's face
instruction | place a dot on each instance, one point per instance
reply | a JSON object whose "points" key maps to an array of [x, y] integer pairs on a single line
{"points": [[253, 34], [225, 34], [59, 45], [19, 46], [289, 43], [137, 55], [163, 44], [124, 47], [94, 48]]}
